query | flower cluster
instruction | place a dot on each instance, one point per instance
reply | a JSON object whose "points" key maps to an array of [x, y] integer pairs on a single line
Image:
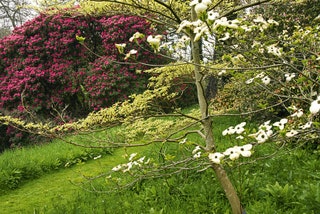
{"points": [[266, 79], [200, 6], [133, 162], [265, 132], [233, 153]]}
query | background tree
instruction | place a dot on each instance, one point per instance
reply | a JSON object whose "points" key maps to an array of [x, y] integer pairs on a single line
{"points": [[13, 14]]}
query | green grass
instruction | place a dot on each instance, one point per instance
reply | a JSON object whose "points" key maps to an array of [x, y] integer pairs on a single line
{"points": [[60, 185], [20, 165], [285, 183]]}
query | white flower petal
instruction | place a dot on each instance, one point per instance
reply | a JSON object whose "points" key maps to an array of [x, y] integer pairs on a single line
{"points": [[200, 8], [212, 15], [249, 81], [197, 155], [292, 133], [307, 125], [196, 149], [234, 156], [315, 107], [266, 80], [216, 157], [132, 156], [262, 136], [246, 153]]}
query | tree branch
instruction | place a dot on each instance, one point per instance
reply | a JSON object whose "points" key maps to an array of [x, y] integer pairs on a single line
{"points": [[238, 8]]}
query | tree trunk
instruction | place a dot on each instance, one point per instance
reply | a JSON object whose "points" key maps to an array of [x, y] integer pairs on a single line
{"points": [[229, 189], [225, 182]]}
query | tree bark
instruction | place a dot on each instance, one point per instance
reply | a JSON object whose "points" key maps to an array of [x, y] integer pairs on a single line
{"points": [[222, 177], [229, 189]]}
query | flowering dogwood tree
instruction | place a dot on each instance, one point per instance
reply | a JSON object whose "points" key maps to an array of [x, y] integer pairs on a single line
{"points": [[279, 67]]}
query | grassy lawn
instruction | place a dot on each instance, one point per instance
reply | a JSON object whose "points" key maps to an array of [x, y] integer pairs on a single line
{"points": [[48, 179], [58, 185]]}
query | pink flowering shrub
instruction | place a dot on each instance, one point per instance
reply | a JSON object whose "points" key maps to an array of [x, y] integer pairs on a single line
{"points": [[43, 65], [45, 69]]}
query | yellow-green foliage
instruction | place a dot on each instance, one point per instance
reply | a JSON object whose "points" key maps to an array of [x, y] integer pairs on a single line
{"points": [[170, 12], [167, 75], [143, 7], [138, 106], [160, 128]]}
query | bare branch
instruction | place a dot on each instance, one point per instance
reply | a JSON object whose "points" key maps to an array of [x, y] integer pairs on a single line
{"points": [[242, 7]]}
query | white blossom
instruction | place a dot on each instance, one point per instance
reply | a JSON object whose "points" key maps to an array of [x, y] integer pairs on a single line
{"points": [[183, 141], [195, 2], [226, 23], [117, 168], [245, 150], [260, 19], [266, 127], [97, 157], [133, 51], [196, 150], [274, 50], [120, 47], [240, 137], [206, 2], [233, 153], [197, 155], [262, 136], [264, 132], [254, 44], [184, 39], [141, 159], [212, 15], [249, 81], [226, 37], [260, 76], [129, 166], [289, 76], [184, 24], [216, 157], [271, 21], [200, 8], [132, 156], [280, 124], [136, 36], [292, 133], [198, 23], [239, 128], [229, 131], [298, 113], [222, 72], [315, 106], [154, 41], [246, 28], [266, 80], [199, 31], [307, 125]]}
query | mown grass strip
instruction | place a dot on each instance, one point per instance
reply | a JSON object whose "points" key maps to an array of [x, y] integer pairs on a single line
{"points": [[57, 186], [20, 165]]}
